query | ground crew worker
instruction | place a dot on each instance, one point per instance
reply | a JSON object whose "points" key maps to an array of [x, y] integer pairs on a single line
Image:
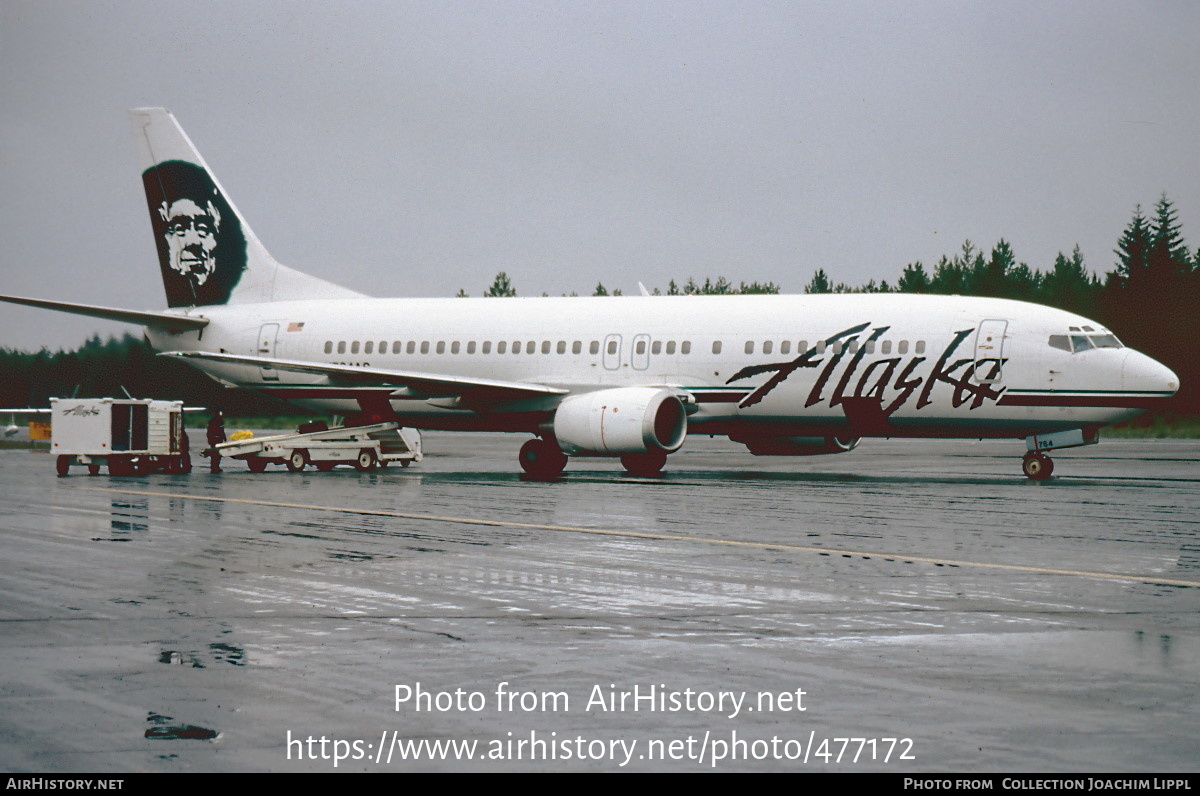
{"points": [[216, 435]]}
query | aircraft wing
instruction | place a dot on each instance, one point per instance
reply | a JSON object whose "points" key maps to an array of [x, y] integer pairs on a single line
{"points": [[408, 383], [160, 320]]}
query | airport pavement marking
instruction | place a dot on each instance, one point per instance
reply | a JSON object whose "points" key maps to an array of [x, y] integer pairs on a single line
{"points": [[669, 537]]}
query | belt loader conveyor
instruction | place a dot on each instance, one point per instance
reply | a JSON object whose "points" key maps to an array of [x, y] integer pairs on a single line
{"points": [[364, 447]]}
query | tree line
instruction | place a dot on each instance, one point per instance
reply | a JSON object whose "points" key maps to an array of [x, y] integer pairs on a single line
{"points": [[118, 366], [1150, 299]]}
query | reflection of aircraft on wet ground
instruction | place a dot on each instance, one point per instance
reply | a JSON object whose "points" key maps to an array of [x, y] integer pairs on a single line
{"points": [[622, 377]]}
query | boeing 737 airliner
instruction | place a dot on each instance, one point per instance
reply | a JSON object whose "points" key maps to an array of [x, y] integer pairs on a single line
{"points": [[620, 377]]}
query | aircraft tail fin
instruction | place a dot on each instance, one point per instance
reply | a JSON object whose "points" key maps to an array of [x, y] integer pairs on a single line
{"points": [[207, 252]]}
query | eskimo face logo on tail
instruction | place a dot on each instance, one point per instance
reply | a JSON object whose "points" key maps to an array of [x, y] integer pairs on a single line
{"points": [[201, 247]]}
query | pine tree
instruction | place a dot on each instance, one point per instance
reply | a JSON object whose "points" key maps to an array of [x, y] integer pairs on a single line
{"points": [[1069, 286], [1133, 251], [914, 279], [501, 287], [819, 283]]}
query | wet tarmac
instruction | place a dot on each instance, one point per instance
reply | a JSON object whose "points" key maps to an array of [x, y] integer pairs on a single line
{"points": [[930, 603]]}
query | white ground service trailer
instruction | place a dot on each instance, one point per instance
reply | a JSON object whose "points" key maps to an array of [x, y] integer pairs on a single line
{"points": [[131, 436], [364, 447]]}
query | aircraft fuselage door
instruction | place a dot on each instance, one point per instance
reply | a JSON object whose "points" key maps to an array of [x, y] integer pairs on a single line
{"points": [[612, 352], [989, 351], [639, 355], [266, 348]]}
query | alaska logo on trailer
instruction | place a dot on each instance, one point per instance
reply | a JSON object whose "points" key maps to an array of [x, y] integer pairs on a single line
{"points": [[201, 246]]}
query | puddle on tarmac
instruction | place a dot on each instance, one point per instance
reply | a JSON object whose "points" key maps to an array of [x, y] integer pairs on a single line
{"points": [[163, 730]]}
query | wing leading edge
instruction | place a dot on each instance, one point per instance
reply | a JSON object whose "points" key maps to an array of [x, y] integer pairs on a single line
{"points": [[408, 384]]}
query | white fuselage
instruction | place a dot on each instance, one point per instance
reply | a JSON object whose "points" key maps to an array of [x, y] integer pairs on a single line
{"points": [[759, 365]]}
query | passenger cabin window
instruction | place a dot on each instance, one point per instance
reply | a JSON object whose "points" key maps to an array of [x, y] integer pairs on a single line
{"points": [[487, 347], [369, 347], [424, 346], [531, 347], [411, 348], [716, 349], [902, 348], [501, 347], [396, 347], [656, 347], [686, 348], [328, 346], [577, 347], [594, 347], [768, 346], [545, 346], [920, 346], [785, 347], [470, 346], [886, 348], [454, 347], [354, 347], [670, 347], [749, 346], [612, 347]]}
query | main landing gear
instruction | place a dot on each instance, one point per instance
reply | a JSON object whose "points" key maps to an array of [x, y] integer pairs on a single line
{"points": [[647, 465], [1037, 466], [542, 458]]}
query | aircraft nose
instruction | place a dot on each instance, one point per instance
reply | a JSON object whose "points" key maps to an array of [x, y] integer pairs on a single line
{"points": [[1140, 373]]}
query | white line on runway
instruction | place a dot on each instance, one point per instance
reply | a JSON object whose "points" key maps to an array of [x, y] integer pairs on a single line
{"points": [[665, 537]]}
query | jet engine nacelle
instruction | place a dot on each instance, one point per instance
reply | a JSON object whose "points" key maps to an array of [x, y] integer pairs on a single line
{"points": [[619, 421], [798, 446]]}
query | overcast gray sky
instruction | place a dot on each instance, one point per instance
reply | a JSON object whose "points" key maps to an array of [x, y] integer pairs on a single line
{"points": [[415, 148]]}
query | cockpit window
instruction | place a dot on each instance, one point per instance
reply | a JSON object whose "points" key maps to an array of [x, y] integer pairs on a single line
{"points": [[1076, 342]]}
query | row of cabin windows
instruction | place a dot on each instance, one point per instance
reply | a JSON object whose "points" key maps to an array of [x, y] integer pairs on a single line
{"points": [[501, 347], [871, 346], [656, 347]]}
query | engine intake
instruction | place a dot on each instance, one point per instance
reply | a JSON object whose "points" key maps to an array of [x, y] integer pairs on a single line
{"points": [[619, 421]]}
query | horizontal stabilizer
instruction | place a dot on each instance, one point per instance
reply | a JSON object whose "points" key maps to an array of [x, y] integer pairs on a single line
{"points": [[430, 385], [158, 320]]}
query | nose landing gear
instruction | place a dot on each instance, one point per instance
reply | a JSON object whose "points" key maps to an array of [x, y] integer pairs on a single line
{"points": [[1037, 466]]}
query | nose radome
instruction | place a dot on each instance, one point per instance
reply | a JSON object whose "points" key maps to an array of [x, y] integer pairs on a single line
{"points": [[1140, 373]]}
